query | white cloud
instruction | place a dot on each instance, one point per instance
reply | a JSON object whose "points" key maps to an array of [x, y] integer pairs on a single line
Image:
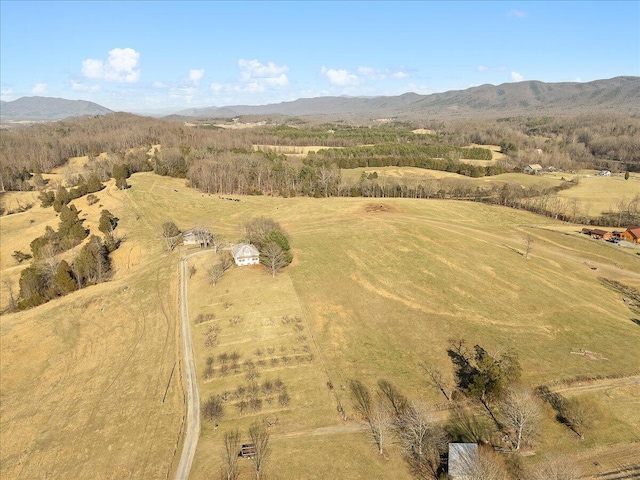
{"points": [[39, 88], [196, 75], [81, 87], [120, 67], [516, 77], [578, 79], [340, 77], [371, 73], [159, 85], [252, 69], [482, 68], [6, 94], [255, 77], [517, 13]]}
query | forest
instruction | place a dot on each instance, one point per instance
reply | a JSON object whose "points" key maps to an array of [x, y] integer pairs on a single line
{"points": [[226, 161]]}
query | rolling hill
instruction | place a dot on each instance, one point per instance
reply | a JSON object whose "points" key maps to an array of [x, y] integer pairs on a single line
{"points": [[48, 108]]}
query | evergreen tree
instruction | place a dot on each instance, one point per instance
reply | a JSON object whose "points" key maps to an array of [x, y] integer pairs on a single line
{"points": [[63, 280]]}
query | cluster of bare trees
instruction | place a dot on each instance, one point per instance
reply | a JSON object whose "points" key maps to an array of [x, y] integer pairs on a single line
{"points": [[391, 416], [258, 446]]}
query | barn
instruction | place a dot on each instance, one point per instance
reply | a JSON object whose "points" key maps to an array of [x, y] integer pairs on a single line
{"points": [[631, 235]]}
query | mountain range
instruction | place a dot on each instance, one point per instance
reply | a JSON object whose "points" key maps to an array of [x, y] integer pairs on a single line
{"points": [[619, 95], [47, 109]]}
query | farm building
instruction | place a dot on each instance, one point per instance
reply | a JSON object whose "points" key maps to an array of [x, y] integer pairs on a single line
{"points": [[532, 169], [463, 461], [603, 173], [632, 234], [197, 236], [600, 234], [245, 254]]}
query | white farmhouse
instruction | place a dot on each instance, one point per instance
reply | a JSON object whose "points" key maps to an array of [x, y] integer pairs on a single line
{"points": [[245, 254]]}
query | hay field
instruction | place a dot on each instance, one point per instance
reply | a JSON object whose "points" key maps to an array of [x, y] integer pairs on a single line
{"points": [[383, 285], [378, 286], [420, 174], [292, 150], [601, 194]]}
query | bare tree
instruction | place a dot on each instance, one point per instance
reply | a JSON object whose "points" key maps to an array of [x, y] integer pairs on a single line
{"points": [[421, 438], [49, 260], [381, 423], [259, 436], [361, 397], [8, 285], [217, 241], [436, 379], [203, 236], [273, 258], [522, 413], [171, 235], [482, 464], [213, 409], [391, 394], [215, 273], [230, 455]]}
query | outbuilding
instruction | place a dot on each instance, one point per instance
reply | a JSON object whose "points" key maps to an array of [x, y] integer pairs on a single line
{"points": [[533, 169]]}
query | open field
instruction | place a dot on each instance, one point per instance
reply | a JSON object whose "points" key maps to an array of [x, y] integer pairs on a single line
{"points": [[378, 285], [414, 174], [292, 149], [601, 194]]}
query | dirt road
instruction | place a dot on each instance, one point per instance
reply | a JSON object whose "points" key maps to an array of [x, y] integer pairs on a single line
{"points": [[192, 429]]}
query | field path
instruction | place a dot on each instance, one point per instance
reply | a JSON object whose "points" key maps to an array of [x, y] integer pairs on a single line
{"points": [[604, 384], [192, 430]]}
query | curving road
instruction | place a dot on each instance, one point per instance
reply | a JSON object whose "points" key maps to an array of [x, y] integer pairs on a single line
{"points": [[192, 429]]}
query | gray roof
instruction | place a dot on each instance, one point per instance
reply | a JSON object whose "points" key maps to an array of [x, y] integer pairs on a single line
{"points": [[462, 459], [244, 250]]}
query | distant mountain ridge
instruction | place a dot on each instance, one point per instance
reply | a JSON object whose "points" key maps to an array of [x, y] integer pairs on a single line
{"points": [[619, 94], [48, 108], [615, 95]]}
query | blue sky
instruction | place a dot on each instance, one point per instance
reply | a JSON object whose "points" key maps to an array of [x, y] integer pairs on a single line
{"points": [[141, 56]]}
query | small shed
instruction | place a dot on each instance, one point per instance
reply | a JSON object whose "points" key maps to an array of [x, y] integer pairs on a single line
{"points": [[462, 460], [248, 450], [603, 173], [245, 254], [532, 169]]}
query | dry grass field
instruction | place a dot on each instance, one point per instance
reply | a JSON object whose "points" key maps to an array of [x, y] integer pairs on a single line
{"points": [[413, 174], [85, 380], [377, 285], [601, 194]]}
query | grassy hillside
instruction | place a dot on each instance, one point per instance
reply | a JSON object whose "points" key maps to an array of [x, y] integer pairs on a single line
{"points": [[378, 286], [85, 379]]}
